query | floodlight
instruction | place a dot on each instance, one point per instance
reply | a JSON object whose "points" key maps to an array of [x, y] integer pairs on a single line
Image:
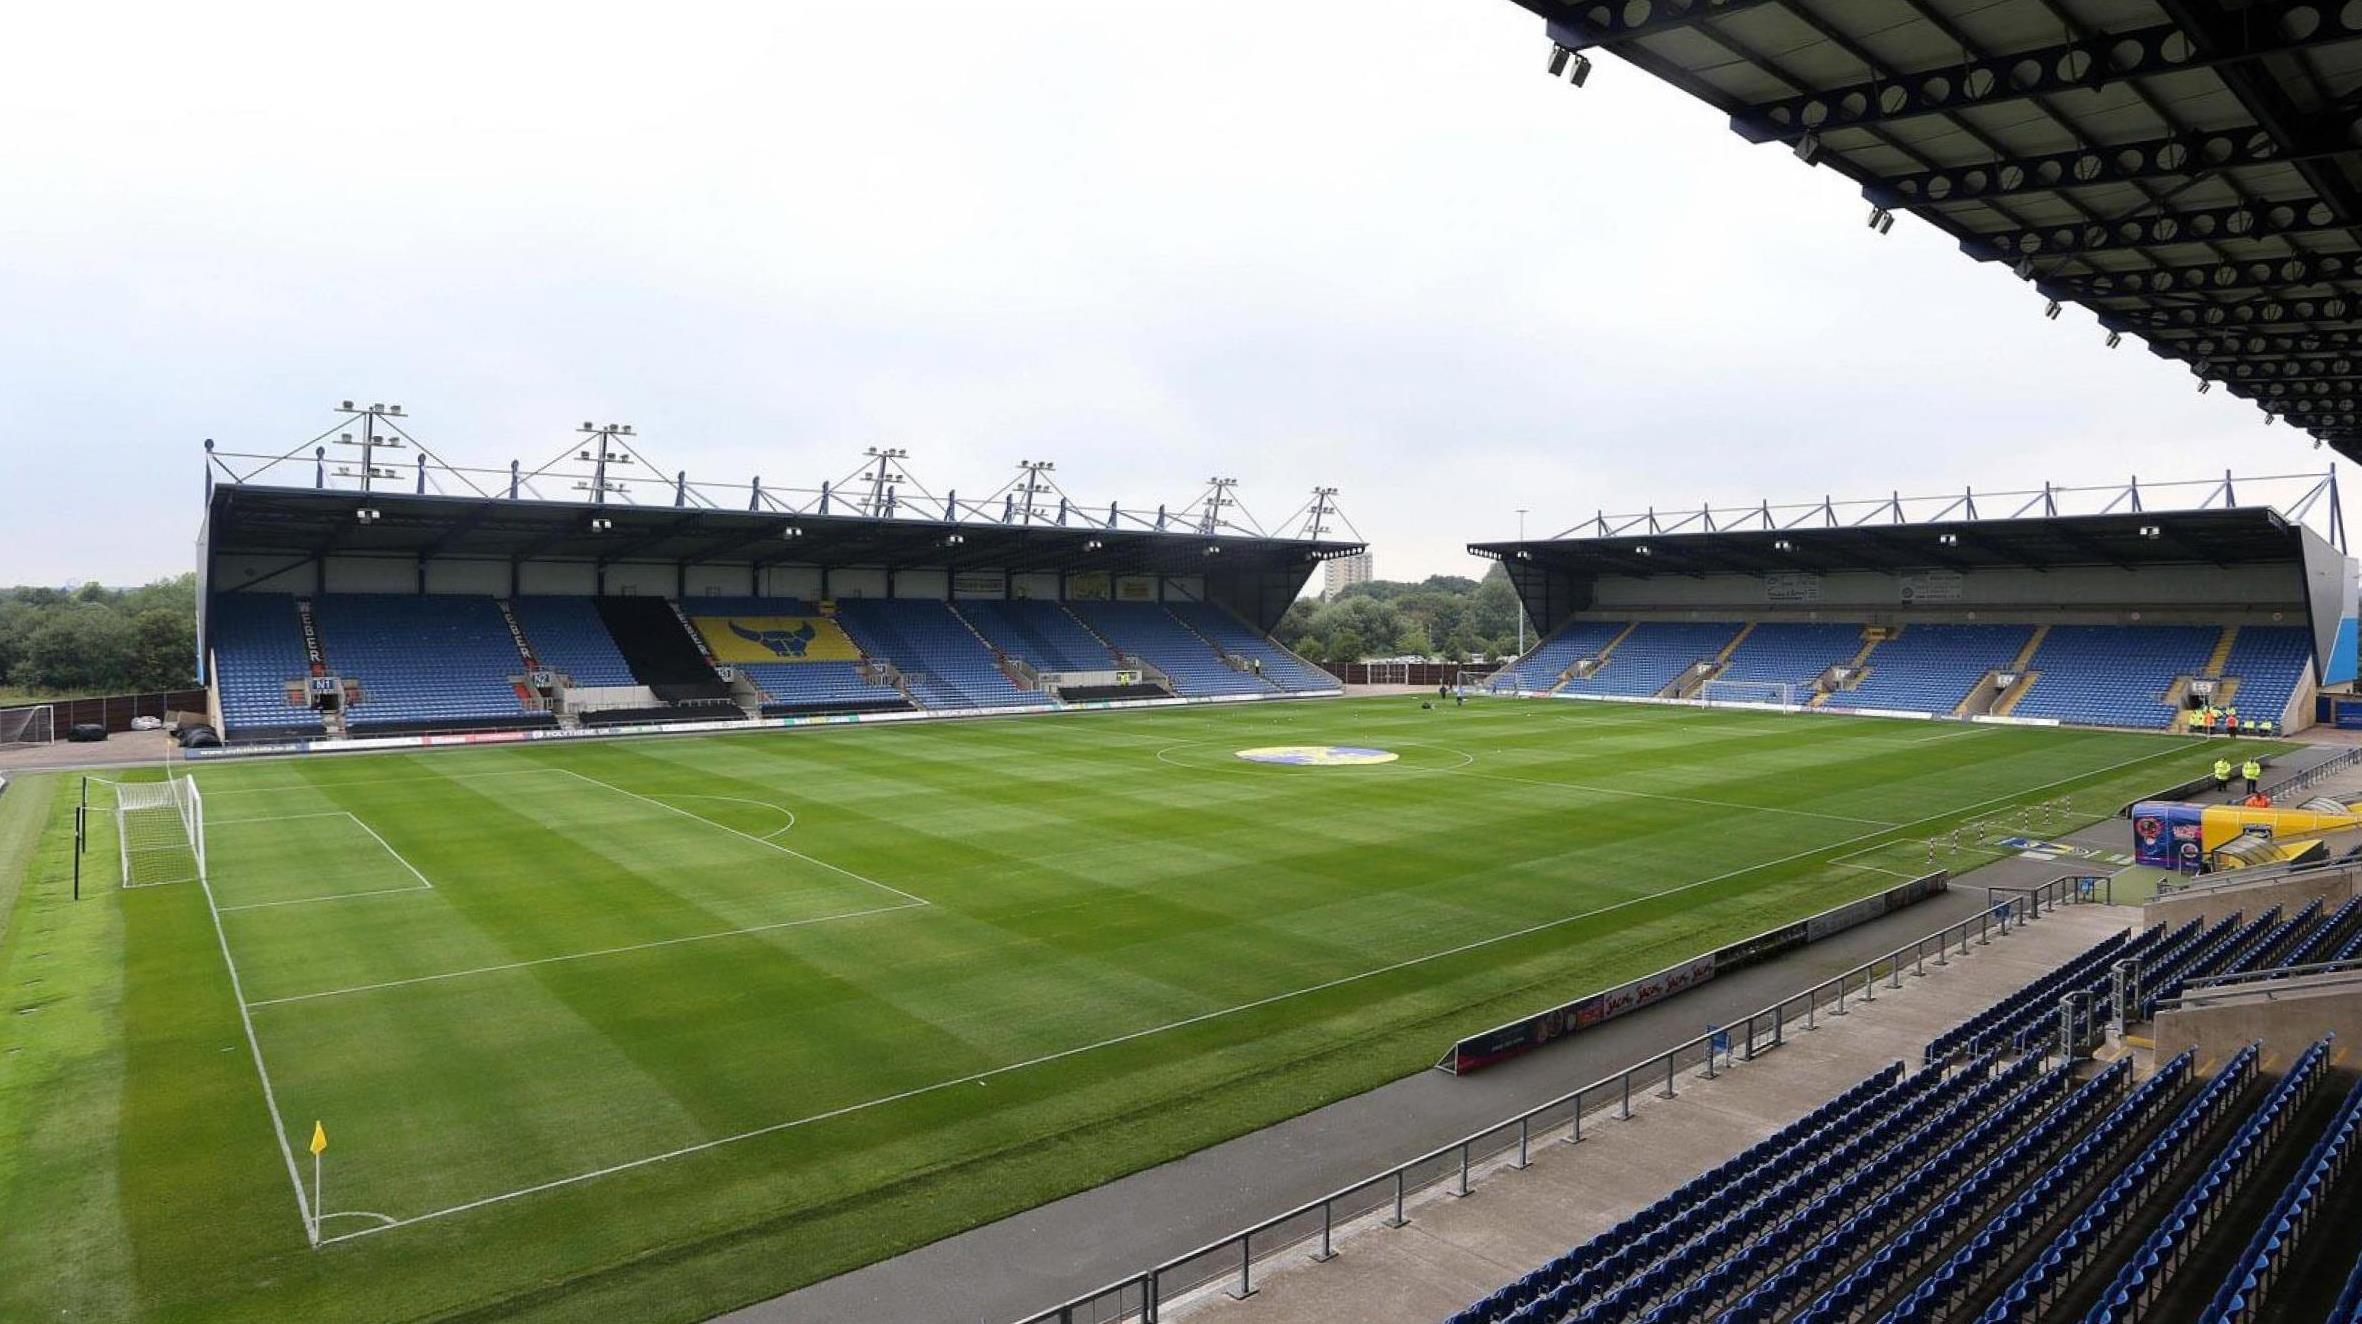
{"points": [[2115, 338], [2024, 268], [791, 531], [347, 404], [1948, 539], [600, 524], [1092, 545], [1881, 220], [367, 514], [2151, 531], [2051, 311], [1559, 55], [1783, 545], [1642, 550], [2204, 387], [1808, 147], [954, 540]]}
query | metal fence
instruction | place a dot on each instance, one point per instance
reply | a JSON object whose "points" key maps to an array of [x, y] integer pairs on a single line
{"points": [[2314, 775], [1508, 1145]]}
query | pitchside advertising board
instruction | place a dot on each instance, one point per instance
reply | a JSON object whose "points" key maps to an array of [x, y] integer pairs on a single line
{"points": [[1519, 1037]]}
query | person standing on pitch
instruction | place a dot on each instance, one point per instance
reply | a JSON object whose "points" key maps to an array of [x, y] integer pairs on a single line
{"points": [[2231, 720], [2222, 775], [2249, 772]]}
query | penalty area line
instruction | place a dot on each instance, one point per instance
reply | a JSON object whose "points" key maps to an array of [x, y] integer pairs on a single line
{"points": [[775, 1128]]}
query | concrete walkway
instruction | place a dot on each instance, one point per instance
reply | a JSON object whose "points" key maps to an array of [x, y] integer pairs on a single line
{"points": [[1453, 1251]]}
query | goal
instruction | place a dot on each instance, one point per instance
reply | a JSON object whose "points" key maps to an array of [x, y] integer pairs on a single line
{"points": [[1753, 693], [36, 725], [160, 831]]}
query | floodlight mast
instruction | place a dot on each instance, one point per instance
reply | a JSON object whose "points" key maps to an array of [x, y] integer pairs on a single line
{"points": [[1217, 496], [604, 451], [1033, 484], [370, 442], [883, 476]]}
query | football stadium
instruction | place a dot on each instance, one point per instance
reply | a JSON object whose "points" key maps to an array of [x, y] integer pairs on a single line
{"points": [[574, 891]]}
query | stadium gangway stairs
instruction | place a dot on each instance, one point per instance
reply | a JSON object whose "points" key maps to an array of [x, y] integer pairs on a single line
{"points": [[2241, 1297], [1991, 1026], [2182, 947], [2033, 1294], [1881, 1273], [1734, 1211], [2151, 1269], [2006, 1234], [1831, 1237], [1877, 1094]]}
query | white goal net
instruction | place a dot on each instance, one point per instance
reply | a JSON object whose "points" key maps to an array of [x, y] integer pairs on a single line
{"points": [[28, 726], [1754, 693], [160, 831]]}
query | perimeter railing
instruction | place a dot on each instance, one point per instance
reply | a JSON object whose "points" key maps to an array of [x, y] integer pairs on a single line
{"points": [[1311, 1229], [2314, 775], [2197, 992]]}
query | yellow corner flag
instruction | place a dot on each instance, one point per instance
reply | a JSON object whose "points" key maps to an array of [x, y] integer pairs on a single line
{"points": [[319, 1138]]}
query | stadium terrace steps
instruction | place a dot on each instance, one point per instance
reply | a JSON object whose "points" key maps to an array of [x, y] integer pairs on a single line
{"points": [[1793, 653], [1044, 634], [424, 662], [257, 650]]}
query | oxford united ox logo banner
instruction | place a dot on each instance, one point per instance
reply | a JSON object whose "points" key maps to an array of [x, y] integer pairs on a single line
{"points": [[774, 639]]}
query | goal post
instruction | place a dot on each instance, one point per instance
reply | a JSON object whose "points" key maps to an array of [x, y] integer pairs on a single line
{"points": [[1750, 693], [160, 832], [33, 725]]}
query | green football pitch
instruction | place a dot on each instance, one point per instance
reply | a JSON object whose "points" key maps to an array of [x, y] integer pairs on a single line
{"points": [[649, 1028]]}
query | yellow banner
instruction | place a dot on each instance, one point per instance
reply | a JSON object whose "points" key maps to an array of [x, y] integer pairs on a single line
{"points": [[776, 639]]}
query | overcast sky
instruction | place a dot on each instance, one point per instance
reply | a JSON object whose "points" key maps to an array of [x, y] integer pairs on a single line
{"points": [[1370, 244]]}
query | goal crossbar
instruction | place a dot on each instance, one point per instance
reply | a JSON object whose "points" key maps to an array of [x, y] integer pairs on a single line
{"points": [[1761, 693]]}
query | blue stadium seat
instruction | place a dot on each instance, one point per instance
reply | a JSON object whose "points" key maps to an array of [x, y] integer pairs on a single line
{"points": [[1931, 668], [424, 662], [2270, 662], [1543, 664], [1792, 652], [2114, 675], [1281, 668], [1154, 635], [257, 649], [1652, 654], [940, 658], [1044, 634], [568, 637]]}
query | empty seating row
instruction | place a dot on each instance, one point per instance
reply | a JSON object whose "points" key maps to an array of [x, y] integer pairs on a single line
{"points": [[1044, 634], [1795, 1138], [2270, 662], [568, 637], [257, 650], [1284, 670], [1790, 652], [1651, 654], [423, 660], [1931, 668], [1999, 1239], [2250, 1281], [2151, 1270], [1542, 666], [2114, 675], [2207, 960], [1995, 1024], [1145, 630], [941, 660]]}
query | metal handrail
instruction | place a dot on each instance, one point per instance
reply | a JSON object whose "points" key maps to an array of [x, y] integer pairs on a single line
{"points": [[2301, 780], [2266, 873], [2270, 973], [1140, 1296]]}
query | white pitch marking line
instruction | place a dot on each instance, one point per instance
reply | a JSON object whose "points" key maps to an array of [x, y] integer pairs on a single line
{"points": [[776, 1127], [386, 1219], [423, 884], [742, 800], [582, 956], [270, 1098], [748, 836]]}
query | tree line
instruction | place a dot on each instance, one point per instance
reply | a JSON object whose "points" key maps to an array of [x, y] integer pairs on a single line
{"points": [[61, 643], [1445, 617]]}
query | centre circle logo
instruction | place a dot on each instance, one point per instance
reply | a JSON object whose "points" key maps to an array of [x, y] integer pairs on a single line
{"points": [[1318, 756]]}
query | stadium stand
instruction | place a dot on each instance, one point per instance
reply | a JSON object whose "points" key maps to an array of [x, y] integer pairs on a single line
{"points": [[2269, 662], [942, 661], [569, 638], [1930, 668], [424, 662], [1283, 669], [1652, 654], [1041, 633], [1544, 664], [1791, 652], [257, 650], [2114, 675], [1147, 631]]}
